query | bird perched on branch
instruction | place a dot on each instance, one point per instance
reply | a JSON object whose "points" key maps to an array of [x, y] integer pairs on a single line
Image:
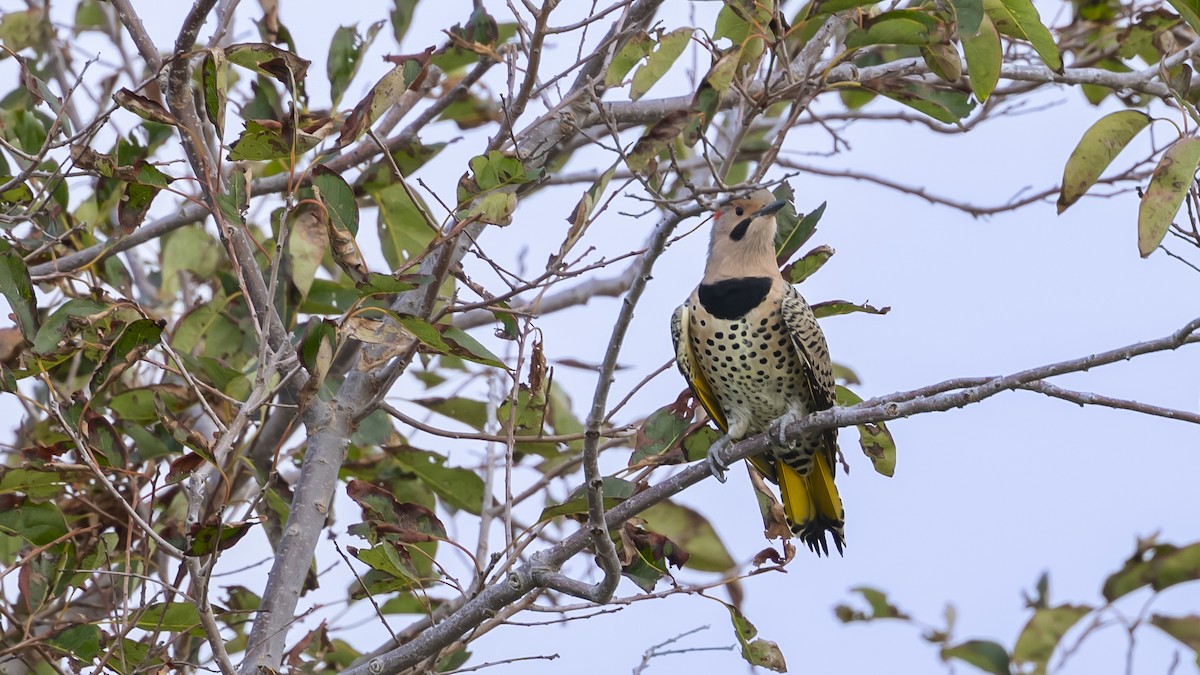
{"points": [[752, 352]]}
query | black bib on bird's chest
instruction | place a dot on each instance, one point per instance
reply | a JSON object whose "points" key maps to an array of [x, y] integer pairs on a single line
{"points": [[733, 298]]}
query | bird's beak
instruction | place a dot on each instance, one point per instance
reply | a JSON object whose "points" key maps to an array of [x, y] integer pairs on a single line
{"points": [[770, 208]]}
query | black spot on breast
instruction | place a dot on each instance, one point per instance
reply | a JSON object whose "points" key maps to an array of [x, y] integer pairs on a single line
{"points": [[732, 298]]}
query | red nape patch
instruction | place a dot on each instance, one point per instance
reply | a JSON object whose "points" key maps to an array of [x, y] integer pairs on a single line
{"points": [[717, 213]]}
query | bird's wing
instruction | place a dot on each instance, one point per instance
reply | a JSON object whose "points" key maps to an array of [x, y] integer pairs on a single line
{"points": [[810, 344], [685, 358]]}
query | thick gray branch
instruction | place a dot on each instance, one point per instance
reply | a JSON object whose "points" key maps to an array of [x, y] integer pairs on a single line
{"points": [[524, 579]]}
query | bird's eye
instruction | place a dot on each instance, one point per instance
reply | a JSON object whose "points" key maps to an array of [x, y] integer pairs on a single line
{"points": [[739, 211]]}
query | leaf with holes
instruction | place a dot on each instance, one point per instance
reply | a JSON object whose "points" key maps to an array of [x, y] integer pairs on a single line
{"points": [[874, 438], [135, 341]]}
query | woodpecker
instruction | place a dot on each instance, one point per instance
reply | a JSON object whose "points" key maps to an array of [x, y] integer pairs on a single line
{"points": [[751, 350]]}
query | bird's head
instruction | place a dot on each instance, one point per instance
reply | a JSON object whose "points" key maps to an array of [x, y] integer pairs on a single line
{"points": [[743, 237]]}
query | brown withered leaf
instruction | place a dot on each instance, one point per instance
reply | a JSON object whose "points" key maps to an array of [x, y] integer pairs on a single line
{"points": [[656, 138], [143, 107], [774, 521]]}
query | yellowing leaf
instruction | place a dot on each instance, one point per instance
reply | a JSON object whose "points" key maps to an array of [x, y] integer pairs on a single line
{"points": [[635, 49], [1042, 634], [983, 55], [670, 46], [1170, 182], [1100, 145]]}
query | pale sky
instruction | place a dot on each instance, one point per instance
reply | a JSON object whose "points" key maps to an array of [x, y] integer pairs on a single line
{"points": [[984, 499]]}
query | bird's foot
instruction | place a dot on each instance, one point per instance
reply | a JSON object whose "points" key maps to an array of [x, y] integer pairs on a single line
{"points": [[779, 428], [716, 465]]}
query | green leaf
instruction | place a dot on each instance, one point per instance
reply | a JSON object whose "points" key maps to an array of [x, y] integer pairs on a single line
{"points": [[388, 284], [574, 507], [835, 6], [81, 642], [271, 61], [985, 655], [384, 95], [458, 487], [210, 538], [984, 56], [235, 200], [808, 264], [1174, 176], [403, 231], [464, 346], [175, 617], [943, 60], [1019, 19], [740, 20], [661, 431], [346, 51], [898, 27], [1100, 145], [38, 523], [793, 231], [401, 18], [143, 107], [1189, 10], [1186, 629], [1158, 566], [874, 438], [468, 411], [838, 307], [670, 46], [17, 287], [636, 48], [22, 29], [214, 81], [763, 653], [495, 208], [943, 105], [337, 196], [64, 323], [693, 532], [135, 341], [18, 194], [968, 15], [317, 349], [878, 603], [1041, 635], [188, 249], [34, 483], [266, 139], [138, 405]]}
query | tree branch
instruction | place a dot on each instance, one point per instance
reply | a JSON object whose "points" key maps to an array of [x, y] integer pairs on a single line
{"points": [[523, 579]]}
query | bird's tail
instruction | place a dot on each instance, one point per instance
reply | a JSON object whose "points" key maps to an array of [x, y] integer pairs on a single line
{"points": [[812, 504]]}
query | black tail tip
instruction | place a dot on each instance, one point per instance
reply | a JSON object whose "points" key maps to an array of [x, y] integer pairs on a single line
{"points": [[813, 536]]}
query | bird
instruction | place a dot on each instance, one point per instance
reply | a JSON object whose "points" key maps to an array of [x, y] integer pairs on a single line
{"points": [[751, 350]]}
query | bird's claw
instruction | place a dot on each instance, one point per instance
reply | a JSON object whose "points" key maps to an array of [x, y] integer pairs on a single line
{"points": [[716, 465], [779, 429]]}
